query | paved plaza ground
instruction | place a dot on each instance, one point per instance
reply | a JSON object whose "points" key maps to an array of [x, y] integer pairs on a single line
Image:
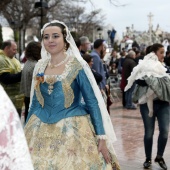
{"points": [[129, 147]]}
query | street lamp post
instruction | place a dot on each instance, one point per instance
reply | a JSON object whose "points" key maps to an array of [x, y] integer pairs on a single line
{"points": [[41, 5]]}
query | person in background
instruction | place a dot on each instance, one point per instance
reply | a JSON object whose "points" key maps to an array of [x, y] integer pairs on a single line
{"points": [[88, 58], [106, 73], [112, 58], [105, 65], [161, 108], [114, 72], [121, 60], [85, 45], [10, 73], [135, 45], [60, 132], [167, 59], [140, 57], [128, 65], [32, 54], [97, 52], [166, 44]]}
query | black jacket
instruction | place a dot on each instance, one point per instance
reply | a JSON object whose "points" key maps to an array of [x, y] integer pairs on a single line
{"points": [[128, 65], [98, 77]]}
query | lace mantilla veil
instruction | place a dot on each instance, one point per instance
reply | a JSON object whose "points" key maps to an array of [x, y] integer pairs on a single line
{"points": [[14, 152], [73, 51]]}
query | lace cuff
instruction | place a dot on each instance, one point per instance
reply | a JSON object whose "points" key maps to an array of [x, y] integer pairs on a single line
{"points": [[104, 137]]}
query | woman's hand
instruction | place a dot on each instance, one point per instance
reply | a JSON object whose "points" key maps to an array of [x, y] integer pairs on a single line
{"points": [[103, 149]]}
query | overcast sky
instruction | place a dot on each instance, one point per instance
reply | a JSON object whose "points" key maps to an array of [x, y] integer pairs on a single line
{"points": [[135, 12]]}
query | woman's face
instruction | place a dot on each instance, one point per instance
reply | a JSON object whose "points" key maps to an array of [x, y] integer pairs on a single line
{"points": [[114, 54], [53, 40], [91, 63], [160, 54]]}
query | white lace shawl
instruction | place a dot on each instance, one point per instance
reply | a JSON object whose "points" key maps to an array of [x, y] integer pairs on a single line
{"points": [[110, 136], [149, 66], [14, 153]]}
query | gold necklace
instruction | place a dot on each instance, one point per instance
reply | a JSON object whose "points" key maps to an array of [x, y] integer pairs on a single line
{"points": [[59, 64]]}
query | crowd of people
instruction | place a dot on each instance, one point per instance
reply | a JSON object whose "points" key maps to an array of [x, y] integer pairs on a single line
{"points": [[65, 86]]}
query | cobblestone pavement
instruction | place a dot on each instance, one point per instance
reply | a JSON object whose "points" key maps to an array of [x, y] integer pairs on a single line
{"points": [[129, 147]]}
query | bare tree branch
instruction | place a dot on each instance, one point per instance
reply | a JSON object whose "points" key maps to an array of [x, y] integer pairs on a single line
{"points": [[21, 14]]}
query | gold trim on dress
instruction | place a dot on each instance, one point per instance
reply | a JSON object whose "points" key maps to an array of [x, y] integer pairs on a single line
{"points": [[39, 78], [66, 83]]}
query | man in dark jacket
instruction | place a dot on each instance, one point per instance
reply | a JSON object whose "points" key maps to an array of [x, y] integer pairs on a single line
{"points": [[128, 65]]}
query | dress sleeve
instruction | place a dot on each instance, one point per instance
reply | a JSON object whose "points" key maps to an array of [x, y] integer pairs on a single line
{"points": [[8, 78], [33, 106], [91, 102]]}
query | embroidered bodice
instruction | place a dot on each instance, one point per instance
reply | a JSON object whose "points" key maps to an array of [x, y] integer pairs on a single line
{"points": [[59, 96]]}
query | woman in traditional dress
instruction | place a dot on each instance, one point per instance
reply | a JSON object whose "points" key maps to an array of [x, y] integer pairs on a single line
{"points": [[61, 132]]}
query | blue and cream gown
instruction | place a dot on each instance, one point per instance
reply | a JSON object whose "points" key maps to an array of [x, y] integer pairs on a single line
{"points": [[62, 132]]}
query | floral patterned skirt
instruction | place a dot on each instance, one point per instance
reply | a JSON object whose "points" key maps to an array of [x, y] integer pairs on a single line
{"points": [[69, 144]]}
